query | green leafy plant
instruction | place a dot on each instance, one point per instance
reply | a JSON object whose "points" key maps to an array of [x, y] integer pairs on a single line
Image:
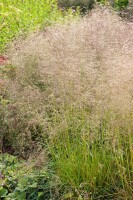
{"points": [[20, 181], [120, 4]]}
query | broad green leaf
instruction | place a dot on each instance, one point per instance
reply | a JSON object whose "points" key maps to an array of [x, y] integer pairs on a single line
{"points": [[3, 192]]}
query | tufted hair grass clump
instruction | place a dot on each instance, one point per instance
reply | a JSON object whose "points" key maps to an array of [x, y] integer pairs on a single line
{"points": [[72, 94]]}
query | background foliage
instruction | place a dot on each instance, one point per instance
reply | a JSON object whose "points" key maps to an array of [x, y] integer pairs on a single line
{"points": [[19, 17], [88, 4]]}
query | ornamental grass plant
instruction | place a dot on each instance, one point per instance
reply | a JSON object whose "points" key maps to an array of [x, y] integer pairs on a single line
{"points": [[72, 94]]}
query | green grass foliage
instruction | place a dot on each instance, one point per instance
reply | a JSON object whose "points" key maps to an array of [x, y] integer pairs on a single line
{"points": [[96, 163]]}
